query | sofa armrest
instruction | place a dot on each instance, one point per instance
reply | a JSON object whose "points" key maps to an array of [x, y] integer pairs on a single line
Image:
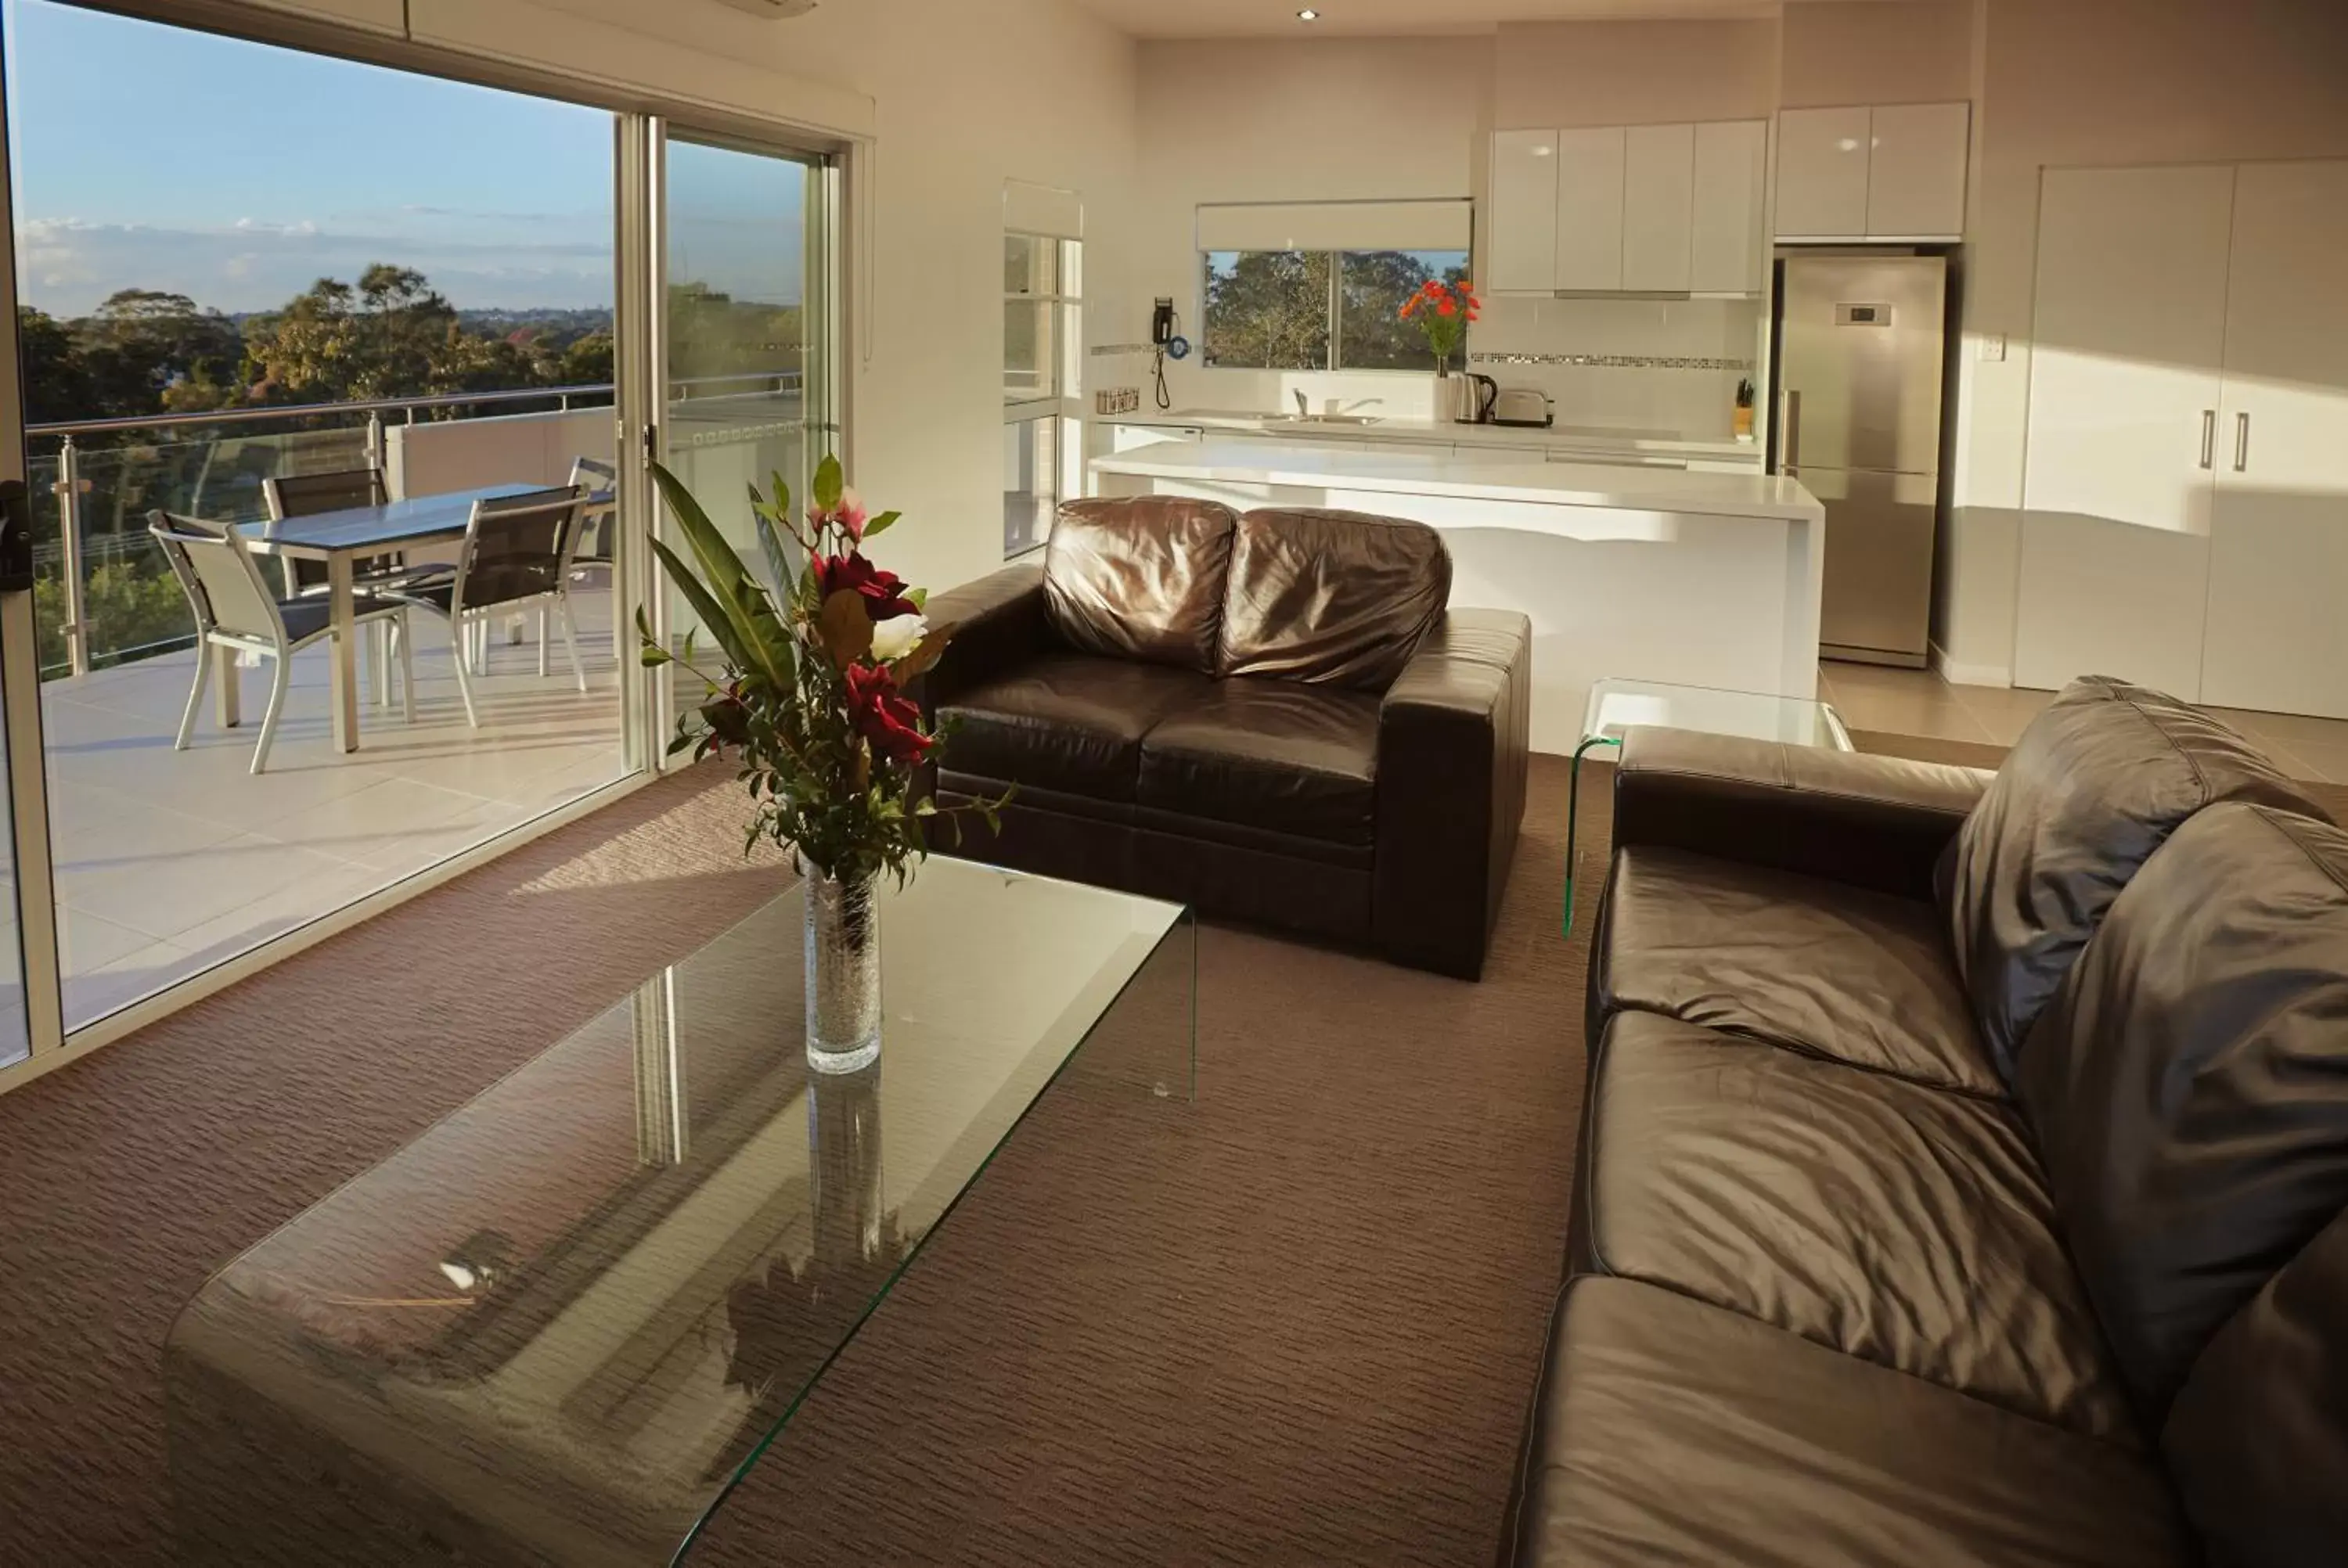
{"points": [[999, 625], [1454, 736], [1874, 822]]}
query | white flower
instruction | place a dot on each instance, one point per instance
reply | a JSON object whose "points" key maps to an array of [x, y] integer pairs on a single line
{"points": [[893, 639]]}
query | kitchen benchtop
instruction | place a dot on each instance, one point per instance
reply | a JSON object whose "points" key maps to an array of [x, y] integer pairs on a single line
{"points": [[1401, 471], [1406, 432]]}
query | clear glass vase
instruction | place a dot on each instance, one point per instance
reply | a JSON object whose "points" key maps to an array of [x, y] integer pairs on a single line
{"points": [[843, 973]]}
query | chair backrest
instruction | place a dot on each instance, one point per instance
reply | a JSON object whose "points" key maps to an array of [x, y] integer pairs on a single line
{"points": [[593, 474], [222, 583], [518, 547], [597, 483], [306, 494]]}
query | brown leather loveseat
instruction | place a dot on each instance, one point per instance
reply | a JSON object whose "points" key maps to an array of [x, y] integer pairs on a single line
{"points": [[1963, 1163], [1272, 718]]}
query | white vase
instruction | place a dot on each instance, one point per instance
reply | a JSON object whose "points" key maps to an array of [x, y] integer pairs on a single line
{"points": [[1448, 389]]}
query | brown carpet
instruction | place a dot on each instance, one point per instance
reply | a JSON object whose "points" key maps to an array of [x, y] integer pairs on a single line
{"points": [[1294, 1323]]}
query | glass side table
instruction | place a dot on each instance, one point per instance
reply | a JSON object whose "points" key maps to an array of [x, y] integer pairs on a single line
{"points": [[1615, 706]]}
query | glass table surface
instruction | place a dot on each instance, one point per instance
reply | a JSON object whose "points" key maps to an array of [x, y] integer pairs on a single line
{"points": [[1617, 705], [560, 1325]]}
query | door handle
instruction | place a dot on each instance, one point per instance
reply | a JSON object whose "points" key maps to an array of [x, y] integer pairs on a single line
{"points": [[2242, 441], [1789, 430], [2208, 437]]}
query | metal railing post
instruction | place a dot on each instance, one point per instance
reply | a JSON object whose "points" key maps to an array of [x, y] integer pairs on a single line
{"points": [[374, 440], [70, 488]]}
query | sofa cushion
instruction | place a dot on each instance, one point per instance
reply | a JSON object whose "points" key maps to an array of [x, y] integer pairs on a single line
{"points": [[1870, 1215], [1332, 598], [1141, 578], [2258, 1438], [2189, 1082], [1272, 754], [1069, 722], [2095, 784], [1817, 966], [1669, 1432]]}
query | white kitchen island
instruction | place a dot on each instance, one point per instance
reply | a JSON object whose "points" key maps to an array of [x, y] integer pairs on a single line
{"points": [[1701, 580]]}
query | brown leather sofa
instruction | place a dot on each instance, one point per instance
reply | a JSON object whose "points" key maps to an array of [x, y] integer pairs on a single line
{"points": [[1272, 718], [1964, 1162]]}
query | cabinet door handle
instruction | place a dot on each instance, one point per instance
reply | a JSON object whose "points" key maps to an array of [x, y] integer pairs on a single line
{"points": [[2242, 441], [2208, 437]]}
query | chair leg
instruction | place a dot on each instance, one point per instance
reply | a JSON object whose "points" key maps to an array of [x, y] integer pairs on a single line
{"points": [[462, 634], [405, 635], [196, 696], [285, 677], [541, 639], [569, 640]]}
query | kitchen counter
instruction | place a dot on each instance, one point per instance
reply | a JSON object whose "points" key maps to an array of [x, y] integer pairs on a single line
{"points": [[1608, 439], [1699, 579]]}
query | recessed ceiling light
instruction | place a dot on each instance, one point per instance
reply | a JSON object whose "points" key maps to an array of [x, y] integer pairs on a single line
{"points": [[1308, 14]]}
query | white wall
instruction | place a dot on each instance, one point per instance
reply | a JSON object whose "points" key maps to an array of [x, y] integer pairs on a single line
{"points": [[1327, 120]]}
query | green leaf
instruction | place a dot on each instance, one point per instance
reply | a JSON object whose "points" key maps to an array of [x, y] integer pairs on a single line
{"points": [[880, 524], [829, 483], [782, 493], [919, 598], [779, 554], [653, 656], [705, 605], [760, 645], [680, 743]]}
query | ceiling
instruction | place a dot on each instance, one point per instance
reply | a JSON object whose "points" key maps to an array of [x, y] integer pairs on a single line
{"points": [[1277, 18]]}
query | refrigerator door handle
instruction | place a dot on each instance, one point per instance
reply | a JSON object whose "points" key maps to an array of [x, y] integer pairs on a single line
{"points": [[1790, 431]]}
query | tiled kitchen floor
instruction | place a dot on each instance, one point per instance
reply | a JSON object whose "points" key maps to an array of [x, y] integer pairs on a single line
{"points": [[1919, 702], [170, 862]]}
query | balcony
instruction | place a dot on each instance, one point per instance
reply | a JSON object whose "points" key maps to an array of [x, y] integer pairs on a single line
{"points": [[168, 863]]}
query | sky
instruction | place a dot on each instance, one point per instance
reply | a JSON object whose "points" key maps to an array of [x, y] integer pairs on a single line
{"points": [[151, 157]]}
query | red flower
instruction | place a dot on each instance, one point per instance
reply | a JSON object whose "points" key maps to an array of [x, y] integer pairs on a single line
{"points": [[1433, 290], [883, 717], [883, 591], [1447, 308]]}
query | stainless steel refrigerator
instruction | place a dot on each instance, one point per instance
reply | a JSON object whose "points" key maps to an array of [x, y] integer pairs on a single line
{"points": [[1857, 367]]}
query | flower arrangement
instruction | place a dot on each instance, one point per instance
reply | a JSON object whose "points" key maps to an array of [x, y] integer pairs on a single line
{"points": [[1443, 312], [811, 698]]}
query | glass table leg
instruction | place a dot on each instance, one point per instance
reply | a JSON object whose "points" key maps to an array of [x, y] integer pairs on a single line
{"points": [[1573, 819]]}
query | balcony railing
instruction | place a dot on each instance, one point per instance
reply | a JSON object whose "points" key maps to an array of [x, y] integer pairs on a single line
{"points": [[104, 595]]}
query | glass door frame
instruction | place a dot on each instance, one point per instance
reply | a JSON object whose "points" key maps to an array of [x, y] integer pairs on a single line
{"points": [[644, 396], [640, 337]]}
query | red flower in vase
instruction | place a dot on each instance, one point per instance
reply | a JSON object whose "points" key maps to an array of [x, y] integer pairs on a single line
{"points": [[884, 716], [883, 591]]}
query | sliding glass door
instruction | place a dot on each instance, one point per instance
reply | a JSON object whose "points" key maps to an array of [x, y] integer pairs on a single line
{"points": [[747, 326]]}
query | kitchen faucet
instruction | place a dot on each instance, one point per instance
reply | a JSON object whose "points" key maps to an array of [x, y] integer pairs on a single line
{"points": [[1303, 405]]}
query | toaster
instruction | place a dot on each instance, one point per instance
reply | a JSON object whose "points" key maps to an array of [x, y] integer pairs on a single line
{"points": [[1525, 407]]}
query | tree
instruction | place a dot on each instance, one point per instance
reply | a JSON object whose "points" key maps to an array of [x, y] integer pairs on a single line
{"points": [[143, 350], [56, 381], [1373, 334], [1269, 310]]}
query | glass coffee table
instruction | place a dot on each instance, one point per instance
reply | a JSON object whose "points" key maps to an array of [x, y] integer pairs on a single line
{"points": [[561, 1324], [1616, 705]]}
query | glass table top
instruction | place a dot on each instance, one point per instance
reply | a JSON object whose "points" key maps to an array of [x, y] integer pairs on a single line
{"points": [[1616, 705], [563, 1322]]}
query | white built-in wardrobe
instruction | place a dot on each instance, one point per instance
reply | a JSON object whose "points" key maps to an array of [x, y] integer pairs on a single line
{"points": [[2185, 521]]}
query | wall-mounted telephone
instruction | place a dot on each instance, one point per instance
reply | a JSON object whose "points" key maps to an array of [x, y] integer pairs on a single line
{"points": [[1165, 333]]}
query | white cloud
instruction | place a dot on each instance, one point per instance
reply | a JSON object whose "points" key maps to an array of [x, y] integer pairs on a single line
{"points": [[71, 264]]}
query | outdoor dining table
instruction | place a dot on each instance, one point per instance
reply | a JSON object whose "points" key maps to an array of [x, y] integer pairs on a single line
{"points": [[339, 539]]}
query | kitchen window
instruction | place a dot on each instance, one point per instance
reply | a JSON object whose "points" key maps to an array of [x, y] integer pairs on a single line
{"points": [[1319, 310]]}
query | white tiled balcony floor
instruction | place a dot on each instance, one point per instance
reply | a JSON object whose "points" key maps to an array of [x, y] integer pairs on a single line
{"points": [[170, 862]]}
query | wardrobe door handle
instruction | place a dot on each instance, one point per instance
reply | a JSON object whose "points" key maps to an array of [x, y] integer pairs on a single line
{"points": [[2208, 437], [2242, 441]]}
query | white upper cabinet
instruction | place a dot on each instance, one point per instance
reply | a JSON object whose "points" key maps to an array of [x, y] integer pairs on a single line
{"points": [[1896, 171], [1822, 173], [1523, 235], [1658, 197], [1726, 251], [1916, 170], [1651, 209], [1589, 174]]}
